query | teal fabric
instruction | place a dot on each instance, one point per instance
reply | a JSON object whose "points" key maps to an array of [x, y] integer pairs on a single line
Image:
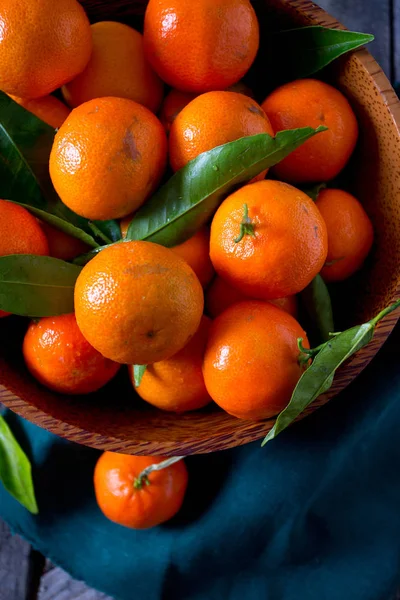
{"points": [[315, 515]]}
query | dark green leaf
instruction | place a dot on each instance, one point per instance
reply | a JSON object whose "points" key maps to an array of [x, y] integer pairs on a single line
{"points": [[317, 302], [138, 372], [60, 224], [25, 145], [191, 196], [83, 259], [297, 53], [37, 286], [15, 469], [314, 190], [318, 378]]}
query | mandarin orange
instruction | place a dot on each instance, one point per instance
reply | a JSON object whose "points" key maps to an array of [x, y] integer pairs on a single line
{"points": [[138, 302], [194, 130], [138, 504], [196, 252], [203, 45], [57, 355], [108, 157], [350, 233], [177, 384], [251, 362], [268, 239], [117, 67], [311, 103], [43, 44]]}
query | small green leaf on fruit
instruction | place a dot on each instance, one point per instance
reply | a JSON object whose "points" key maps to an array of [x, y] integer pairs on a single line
{"points": [[319, 376], [189, 199]]}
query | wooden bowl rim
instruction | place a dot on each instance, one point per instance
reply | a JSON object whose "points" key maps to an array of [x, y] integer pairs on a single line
{"points": [[318, 16]]}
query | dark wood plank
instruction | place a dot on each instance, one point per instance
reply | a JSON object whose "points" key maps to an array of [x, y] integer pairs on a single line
{"points": [[369, 16], [56, 584], [20, 567]]}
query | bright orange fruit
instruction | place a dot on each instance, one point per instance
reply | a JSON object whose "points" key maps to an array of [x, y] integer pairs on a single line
{"points": [[177, 384], [251, 362], [311, 103], [172, 105], [123, 500], [176, 100], [203, 45], [196, 252], [43, 44], [117, 67], [57, 355], [108, 157], [277, 248], [213, 119], [350, 233], [138, 302]]}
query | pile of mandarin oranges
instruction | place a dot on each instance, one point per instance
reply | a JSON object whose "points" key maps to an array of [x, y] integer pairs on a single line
{"points": [[215, 317]]}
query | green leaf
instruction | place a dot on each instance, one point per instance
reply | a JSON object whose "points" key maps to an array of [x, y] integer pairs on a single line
{"points": [[318, 378], [37, 286], [138, 372], [317, 302], [60, 224], [297, 53], [15, 469], [314, 190], [83, 259], [25, 145], [110, 229], [191, 196]]}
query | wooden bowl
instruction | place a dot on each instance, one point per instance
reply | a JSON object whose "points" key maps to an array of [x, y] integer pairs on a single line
{"points": [[115, 419]]}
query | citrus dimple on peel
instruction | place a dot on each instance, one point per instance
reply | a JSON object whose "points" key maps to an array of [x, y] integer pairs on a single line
{"points": [[138, 302], [108, 157]]}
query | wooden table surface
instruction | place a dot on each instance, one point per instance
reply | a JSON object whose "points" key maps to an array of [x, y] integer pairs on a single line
{"points": [[24, 573]]}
